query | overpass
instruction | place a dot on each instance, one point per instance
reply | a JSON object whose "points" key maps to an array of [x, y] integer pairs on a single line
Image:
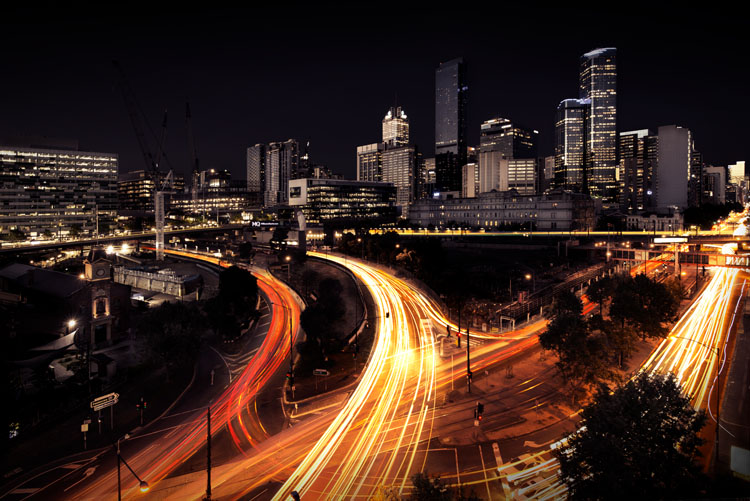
{"points": [[19, 248]]}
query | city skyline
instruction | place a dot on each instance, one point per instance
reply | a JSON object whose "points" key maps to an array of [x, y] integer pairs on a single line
{"points": [[236, 105]]}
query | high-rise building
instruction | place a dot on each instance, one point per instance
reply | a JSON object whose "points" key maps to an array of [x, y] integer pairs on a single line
{"points": [[136, 189], [427, 178], [695, 184], [512, 140], [470, 178], [737, 172], [396, 128], [598, 84], [714, 184], [281, 160], [545, 176], [673, 167], [56, 190], [450, 124], [256, 168], [638, 161], [370, 162], [522, 175], [571, 125], [400, 168]]}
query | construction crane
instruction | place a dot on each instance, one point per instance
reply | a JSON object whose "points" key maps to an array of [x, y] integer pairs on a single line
{"points": [[193, 169], [161, 186]]}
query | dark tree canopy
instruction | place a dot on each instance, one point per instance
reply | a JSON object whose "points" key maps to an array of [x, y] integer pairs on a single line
{"points": [[231, 310], [638, 442]]}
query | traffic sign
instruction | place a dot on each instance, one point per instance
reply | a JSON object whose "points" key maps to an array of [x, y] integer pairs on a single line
{"points": [[321, 372], [105, 401]]}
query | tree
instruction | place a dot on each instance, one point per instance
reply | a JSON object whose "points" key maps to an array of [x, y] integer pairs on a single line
{"points": [[173, 334], [426, 488], [278, 239], [645, 304], [231, 310], [599, 291], [638, 442]]}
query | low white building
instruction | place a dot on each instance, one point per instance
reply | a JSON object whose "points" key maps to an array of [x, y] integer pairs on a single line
{"points": [[497, 210]]}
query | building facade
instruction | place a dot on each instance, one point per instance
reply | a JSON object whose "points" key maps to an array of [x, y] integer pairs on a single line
{"points": [[135, 190], [56, 191], [571, 125], [508, 138], [338, 200], [400, 168], [555, 211], [256, 167], [673, 167], [638, 161], [396, 128], [450, 124], [470, 176], [370, 162], [598, 84]]}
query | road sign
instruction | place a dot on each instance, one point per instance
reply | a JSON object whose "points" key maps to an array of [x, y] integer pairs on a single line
{"points": [[321, 372], [84, 427], [105, 401]]}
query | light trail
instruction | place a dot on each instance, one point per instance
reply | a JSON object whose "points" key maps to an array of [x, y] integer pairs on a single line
{"points": [[227, 409]]}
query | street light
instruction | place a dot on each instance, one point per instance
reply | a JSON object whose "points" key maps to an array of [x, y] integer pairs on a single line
{"points": [[143, 484], [532, 277], [71, 324], [288, 266]]}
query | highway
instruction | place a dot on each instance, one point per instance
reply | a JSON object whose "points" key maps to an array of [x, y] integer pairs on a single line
{"points": [[177, 437]]}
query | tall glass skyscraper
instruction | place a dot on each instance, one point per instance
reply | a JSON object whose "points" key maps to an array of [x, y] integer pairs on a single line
{"points": [[450, 124], [598, 83], [570, 148], [510, 139]]}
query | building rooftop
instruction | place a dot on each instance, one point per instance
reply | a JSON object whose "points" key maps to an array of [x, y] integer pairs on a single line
{"points": [[49, 282], [600, 52]]}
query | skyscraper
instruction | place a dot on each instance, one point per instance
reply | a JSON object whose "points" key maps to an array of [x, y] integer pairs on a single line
{"points": [[400, 167], [370, 162], [281, 159], [396, 127], [570, 147], [256, 167], [450, 124], [673, 167], [598, 84], [638, 161], [510, 139]]}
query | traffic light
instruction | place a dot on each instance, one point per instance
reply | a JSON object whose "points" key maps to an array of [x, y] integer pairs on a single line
{"points": [[469, 377], [145, 405], [458, 338], [478, 410]]}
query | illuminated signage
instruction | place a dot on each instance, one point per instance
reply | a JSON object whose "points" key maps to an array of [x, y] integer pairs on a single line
{"points": [[670, 240]]}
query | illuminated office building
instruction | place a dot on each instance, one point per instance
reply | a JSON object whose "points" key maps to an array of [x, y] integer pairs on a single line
{"points": [[396, 128], [598, 84], [281, 160], [400, 167], [450, 124], [570, 148], [370, 162], [638, 161], [470, 180], [511, 140], [56, 190], [135, 190], [256, 167], [339, 200]]}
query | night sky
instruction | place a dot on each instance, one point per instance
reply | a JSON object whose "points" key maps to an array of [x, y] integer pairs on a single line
{"points": [[329, 75]]}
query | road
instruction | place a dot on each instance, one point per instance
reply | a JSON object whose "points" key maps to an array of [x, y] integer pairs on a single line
{"points": [[177, 437]]}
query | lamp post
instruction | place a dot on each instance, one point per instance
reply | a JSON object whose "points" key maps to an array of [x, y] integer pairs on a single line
{"points": [[143, 484], [532, 277], [288, 260]]}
